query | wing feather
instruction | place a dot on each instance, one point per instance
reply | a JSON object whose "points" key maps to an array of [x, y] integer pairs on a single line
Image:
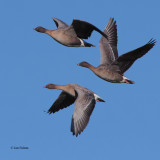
{"points": [[59, 23], [64, 100], [84, 29], [108, 47], [84, 106], [126, 60]]}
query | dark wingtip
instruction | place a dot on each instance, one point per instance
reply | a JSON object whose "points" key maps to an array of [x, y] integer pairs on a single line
{"points": [[152, 41], [49, 112], [73, 128]]}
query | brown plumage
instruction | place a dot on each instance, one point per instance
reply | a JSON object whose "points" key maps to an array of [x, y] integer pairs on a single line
{"points": [[72, 35], [84, 99], [113, 67]]}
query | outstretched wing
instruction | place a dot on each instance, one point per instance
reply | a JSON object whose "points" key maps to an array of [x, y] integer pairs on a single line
{"points": [[84, 29], [84, 106], [59, 23], [108, 47], [126, 60], [64, 100]]}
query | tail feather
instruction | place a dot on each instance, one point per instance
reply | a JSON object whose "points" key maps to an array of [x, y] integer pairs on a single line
{"points": [[100, 100], [88, 44], [129, 81]]}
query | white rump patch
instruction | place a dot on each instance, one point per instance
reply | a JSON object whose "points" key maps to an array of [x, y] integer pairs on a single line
{"points": [[96, 96], [124, 78], [82, 43]]}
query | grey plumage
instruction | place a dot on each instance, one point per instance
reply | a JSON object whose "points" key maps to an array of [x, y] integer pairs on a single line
{"points": [[84, 99], [113, 67], [71, 35]]}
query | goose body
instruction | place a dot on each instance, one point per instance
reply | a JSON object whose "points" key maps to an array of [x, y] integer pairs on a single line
{"points": [[112, 66], [73, 35], [84, 100]]}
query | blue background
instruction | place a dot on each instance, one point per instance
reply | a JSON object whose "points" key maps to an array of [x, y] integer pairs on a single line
{"points": [[126, 127]]}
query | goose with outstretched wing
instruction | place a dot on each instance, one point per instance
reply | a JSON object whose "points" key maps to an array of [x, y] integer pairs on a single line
{"points": [[71, 35], [84, 100], [112, 67]]}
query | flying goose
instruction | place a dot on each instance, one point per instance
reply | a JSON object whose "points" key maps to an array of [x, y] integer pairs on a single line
{"points": [[112, 67], [84, 99], [72, 35]]}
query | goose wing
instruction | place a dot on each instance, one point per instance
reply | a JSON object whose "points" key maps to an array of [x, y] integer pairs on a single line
{"points": [[59, 23], [108, 47], [126, 60], [84, 106], [84, 29], [64, 100]]}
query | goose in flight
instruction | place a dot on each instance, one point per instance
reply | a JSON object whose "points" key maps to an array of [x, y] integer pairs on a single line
{"points": [[113, 67], [73, 35], [84, 99]]}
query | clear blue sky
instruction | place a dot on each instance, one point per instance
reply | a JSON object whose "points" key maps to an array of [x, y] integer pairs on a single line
{"points": [[126, 127]]}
